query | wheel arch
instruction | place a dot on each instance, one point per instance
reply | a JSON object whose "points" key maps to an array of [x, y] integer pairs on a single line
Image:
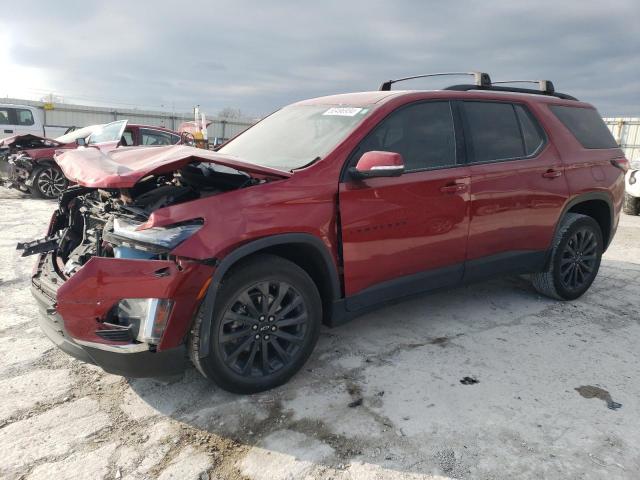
{"points": [[305, 250], [597, 205]]}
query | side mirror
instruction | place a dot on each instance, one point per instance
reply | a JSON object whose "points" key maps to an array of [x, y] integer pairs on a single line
{"points": [[81, 142], [378, 164]]}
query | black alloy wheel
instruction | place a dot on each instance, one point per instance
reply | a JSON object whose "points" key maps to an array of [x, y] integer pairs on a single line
{"points": [[263, 329], [578, 260], [574, 258]]}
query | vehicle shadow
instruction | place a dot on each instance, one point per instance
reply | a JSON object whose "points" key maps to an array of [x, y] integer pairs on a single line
{"points": [[473, 381]]}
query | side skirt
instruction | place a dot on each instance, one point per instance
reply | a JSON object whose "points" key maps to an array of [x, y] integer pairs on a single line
{"points": [[509, 263]]}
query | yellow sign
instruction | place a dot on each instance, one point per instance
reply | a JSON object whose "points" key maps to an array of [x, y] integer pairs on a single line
{"points": [[48, 106]]}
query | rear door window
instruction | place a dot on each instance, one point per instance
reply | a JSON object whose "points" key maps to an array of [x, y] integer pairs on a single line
{"points": [[494, 131], [586, 125]]}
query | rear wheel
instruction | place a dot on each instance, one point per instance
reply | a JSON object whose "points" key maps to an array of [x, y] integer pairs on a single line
{"points": [[264, 326], [631, 205], [48, 182], [575, 259]]}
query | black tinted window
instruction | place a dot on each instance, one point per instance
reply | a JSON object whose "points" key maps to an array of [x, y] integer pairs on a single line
{"points": [[586, 125], [533, 139], [494, 131], [423, 134]]}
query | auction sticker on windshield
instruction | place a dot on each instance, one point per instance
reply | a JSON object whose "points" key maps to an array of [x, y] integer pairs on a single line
{"points": [[343, 111]]}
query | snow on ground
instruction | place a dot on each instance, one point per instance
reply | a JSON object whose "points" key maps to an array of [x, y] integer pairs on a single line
{"points": [[381, 397]]}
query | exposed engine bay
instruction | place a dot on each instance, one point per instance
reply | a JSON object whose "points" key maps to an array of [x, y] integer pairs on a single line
{"points": [[104, 222]]}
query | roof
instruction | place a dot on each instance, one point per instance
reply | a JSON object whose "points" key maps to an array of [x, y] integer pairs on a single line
{"points": [[357, 99], [360, 99]]}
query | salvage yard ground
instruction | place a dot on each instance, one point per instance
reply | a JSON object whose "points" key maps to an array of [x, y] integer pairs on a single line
{"points": [[489, 381]]}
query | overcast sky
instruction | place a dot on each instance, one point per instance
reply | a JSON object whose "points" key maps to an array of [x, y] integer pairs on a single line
{"points": [[260, 55]]}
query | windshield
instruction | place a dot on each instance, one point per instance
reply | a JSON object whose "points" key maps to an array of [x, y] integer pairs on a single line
{"points": [[295, 136], [111, 132], [79, 133]]}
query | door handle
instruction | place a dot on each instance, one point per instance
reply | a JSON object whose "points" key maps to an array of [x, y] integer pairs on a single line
{"points": [[8, 130], [551, 173], [454, 188]]}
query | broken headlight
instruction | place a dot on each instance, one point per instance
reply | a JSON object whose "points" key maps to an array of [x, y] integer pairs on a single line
{"points": [[165, 237], [147, 317]]}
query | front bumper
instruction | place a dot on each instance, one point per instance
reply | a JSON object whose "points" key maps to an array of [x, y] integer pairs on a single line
{"points": [[72, 311], [14, 176]]}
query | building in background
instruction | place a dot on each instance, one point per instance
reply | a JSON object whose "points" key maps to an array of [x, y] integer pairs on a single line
{"points": [[60, 116], [626, 131]]}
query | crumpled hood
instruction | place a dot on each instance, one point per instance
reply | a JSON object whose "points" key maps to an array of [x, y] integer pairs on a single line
{"points": [[124, 167], [17, 139]]}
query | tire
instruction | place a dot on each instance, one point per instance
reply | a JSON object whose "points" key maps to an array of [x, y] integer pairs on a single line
{"points": [[255, 346], [577, 247], [48, 182], [631, 205]]}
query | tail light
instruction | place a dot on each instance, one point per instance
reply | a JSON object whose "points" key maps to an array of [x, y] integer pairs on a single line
{"points": [[621, 163]]}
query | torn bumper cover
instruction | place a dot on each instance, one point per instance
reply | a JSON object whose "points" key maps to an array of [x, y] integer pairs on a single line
{"points": [[84, 316], [15, 171]]}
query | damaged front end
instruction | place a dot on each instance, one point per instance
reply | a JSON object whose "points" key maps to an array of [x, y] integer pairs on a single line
{"points": [[110, 290], [16, 161], [16, 171]]}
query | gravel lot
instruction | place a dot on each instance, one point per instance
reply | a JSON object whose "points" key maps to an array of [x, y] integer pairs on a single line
{"points": [[382, 397]]}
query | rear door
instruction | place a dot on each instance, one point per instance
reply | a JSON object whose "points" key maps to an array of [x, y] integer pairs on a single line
{"points": [[517, 188], [408, 233]]}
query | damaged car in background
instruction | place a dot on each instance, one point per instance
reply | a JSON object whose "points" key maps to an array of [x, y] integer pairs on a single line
{"points": [[28, 162]]}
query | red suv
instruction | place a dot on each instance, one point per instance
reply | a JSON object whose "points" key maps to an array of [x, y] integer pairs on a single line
{"points": [[319, 212]]}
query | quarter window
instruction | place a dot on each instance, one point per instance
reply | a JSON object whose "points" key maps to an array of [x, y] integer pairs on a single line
{"points": [[422, 133], [494, 131], [586, 125]]}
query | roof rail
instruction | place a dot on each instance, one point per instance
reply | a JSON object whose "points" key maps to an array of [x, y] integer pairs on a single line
{"points": [[481, 79], [545, 87]]}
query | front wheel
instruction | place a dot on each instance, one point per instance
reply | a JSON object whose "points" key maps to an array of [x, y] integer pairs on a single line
{"points": [[263, 327], [575, 259], [48, 182]]}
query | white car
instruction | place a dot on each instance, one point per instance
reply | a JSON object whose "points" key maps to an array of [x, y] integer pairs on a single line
{"points": [[632, 189], [24, 120]]}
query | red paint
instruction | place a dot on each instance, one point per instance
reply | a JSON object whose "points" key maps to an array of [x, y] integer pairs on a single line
{"points": [[391, 226], [85, 299], [124, 167]]}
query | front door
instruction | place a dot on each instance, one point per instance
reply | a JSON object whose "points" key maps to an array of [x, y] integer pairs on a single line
{"points": [[401, 235]]}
